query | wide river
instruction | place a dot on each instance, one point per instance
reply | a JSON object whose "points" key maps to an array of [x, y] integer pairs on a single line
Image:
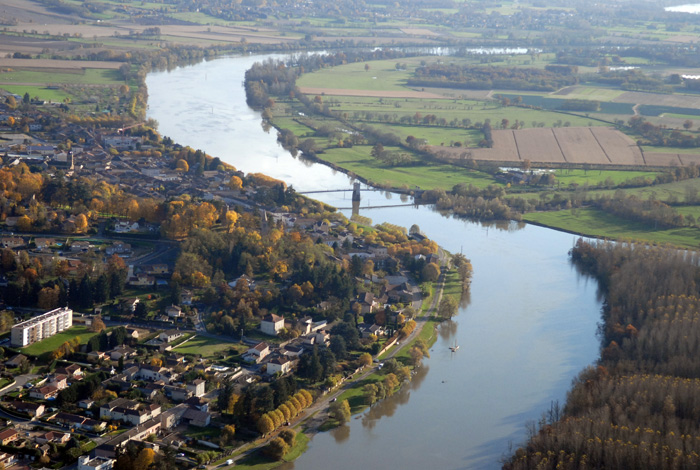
{"points": [[526, 332]]}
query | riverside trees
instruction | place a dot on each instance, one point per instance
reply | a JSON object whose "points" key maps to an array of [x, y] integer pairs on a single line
{"points": [[638, 408]]}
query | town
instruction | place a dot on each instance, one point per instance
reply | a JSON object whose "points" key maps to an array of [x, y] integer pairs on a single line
{"points": [[161, 307]]}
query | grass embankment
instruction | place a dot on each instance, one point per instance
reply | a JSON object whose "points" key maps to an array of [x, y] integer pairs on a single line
{"points": [[596, 223], [52, 343], [257, 461]]}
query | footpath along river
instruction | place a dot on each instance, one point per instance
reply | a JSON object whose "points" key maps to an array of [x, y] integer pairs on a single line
{"points": [[526, 332]]}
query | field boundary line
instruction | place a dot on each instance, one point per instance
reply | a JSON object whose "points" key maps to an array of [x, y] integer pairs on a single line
{"points": [[561, 150], [516, 146], [600, 145]]}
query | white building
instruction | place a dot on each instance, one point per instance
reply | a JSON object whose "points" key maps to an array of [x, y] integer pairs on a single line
{"points": [[96, 463], [271, 324], [41, 327]]}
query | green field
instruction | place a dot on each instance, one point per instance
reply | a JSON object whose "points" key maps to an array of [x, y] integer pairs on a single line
{"points": [[207, 347], [85, 76], [381, 76], [52, 343], [37, 91], [596, 223], [427, 176], [593, 177]]}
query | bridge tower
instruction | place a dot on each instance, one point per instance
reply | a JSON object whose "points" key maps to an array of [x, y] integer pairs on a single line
{"points": [[356, 191]]}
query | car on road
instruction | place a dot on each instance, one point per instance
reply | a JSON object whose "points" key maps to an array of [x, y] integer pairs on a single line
{"points": [[335, 399]]}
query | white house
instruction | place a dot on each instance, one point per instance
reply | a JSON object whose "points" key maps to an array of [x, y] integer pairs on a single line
{"points": [[279, 364], [271, 324], [197, 387], [95, 463]]}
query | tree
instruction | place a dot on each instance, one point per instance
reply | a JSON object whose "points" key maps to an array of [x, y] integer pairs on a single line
{"points": [[365, 359], [144, 459], [416, 356], [340, 411], [448, 307], [97, 325], [687, 124], [182, 165], [276, 449], [431, 272], [265, 425], [289, 436], [81, 223], [228, 435], [235, 183]]}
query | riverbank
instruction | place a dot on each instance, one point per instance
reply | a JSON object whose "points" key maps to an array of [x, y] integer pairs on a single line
{"points": [[594, 223]]}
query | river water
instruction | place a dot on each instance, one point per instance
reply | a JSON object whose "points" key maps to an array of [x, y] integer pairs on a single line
{"points": [[527, 330]]}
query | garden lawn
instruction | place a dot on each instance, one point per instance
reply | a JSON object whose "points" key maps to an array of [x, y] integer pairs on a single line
{"points": [[52, 343], [596, 223], [207, 347]]}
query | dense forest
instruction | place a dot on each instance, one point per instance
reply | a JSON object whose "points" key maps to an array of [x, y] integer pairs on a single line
{"points": [[639, 407]]}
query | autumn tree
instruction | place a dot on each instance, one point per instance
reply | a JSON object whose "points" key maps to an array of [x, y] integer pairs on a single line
{"points": [[228, 435], [430, 273], [276, 449], [447, 307], [97, 325], [265, 425], [144, 459], [365, 359], [182, 165], [340, 411]]}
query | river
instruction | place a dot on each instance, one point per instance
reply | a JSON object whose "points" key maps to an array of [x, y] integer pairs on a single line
{"points": [[526, 332]]}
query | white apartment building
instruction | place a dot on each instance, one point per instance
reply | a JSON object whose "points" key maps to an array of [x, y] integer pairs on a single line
{"points": [[41, 327]]}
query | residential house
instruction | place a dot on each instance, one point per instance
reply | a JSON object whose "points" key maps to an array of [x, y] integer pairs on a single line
{"points": [[121, 351], [95, 463], [73, 371], [86, 404], [53, 436], [8, 435], [154, 373], [44, 393], [118, 248], [141, 280], [197, 387], [96, 356], [80, 246], [258, 352], [59, 381], [158, 269], [174, 311], [367, 330], [44, 243], [129, 305], [32, 409], [16, 361], [124, 226], [271, 324], [194, 417], [186, 297], [279, 364], [169, 336], [11, 242]]}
